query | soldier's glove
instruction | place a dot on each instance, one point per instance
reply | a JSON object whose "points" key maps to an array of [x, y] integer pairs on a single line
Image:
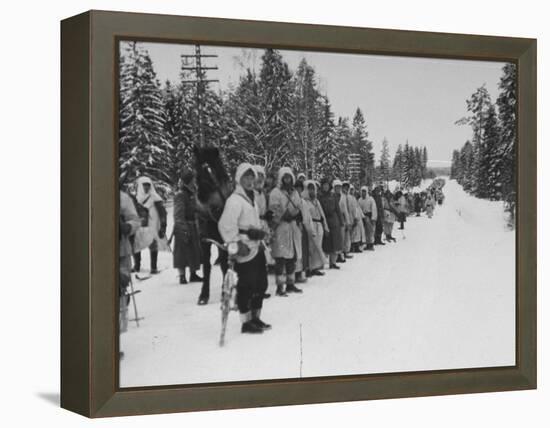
{"points": [[243, 249], [123, 282], [268, 216], [256, 234], [125, 229]]}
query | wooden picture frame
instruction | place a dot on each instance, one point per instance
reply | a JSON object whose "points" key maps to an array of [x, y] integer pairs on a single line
{"points": [[89, 357]]}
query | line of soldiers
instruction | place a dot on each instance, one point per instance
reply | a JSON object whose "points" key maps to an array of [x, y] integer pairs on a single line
{"points": [[291, 226]]}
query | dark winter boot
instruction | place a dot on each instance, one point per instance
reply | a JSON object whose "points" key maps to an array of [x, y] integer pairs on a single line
{"points": [[195, 278], [261, 324], [154, 258], [205, 293], [249, 326], [280, 291], [334, 266], [340, 259], [317, 272], [300, 277], [205, 289], [256, 320], [183, 280], [370, 247], [393, 239], [291, 288], [137, 262]]}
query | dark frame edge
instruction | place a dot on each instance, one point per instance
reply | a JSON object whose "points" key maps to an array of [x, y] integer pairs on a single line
{"points": [[527, 214], [75, 254], [105, 400], [314, 391]]}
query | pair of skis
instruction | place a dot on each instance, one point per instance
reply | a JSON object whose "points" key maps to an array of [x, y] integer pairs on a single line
{"points": [[133, 293], [229, 292], [229, 287]]}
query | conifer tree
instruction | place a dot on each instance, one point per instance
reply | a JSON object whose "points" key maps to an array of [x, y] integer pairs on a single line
{"points": [[478, 105], [361, 145], [418, 166], [385, 161], [424, 165], [455, 166], [258, 115], [275, 100], [307, 119], [176, 128], [342, 141], [143, 146], [506, 103], [398, 162], [327, 153], [490, 162]]}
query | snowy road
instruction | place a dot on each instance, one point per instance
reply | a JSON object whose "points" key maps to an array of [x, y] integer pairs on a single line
{"points": [[442, 297]]}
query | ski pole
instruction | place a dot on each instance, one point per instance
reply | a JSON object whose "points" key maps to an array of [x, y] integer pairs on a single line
{"points": [[137, 318]]}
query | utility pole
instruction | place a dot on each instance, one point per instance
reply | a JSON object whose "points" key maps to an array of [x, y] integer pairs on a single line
{"points": [[200, 81], [354, 166]]}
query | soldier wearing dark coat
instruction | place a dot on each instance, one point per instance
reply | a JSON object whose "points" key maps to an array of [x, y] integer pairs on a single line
{"points": [[333, 242], [187, 249], [417, 204], [379, 226]]}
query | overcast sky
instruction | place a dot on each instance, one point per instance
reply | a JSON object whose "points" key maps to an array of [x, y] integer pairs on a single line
{"points": [[414, 99]]}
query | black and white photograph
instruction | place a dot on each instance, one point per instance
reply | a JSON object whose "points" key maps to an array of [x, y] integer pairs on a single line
{"points": [[293, 214]]}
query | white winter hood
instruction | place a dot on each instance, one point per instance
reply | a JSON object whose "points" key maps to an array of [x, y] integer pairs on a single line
{"points": [[146, 199], [284, 170], [241, 169]]}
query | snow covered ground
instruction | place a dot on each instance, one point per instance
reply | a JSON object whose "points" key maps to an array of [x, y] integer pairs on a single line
{"points": [[442, 297]]}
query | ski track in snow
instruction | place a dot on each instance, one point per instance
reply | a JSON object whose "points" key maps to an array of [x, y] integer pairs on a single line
{"points": [[442, 297]]}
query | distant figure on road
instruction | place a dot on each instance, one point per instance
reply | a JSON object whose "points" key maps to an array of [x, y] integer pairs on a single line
{"points": [[430, 205], [370, 213]]}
